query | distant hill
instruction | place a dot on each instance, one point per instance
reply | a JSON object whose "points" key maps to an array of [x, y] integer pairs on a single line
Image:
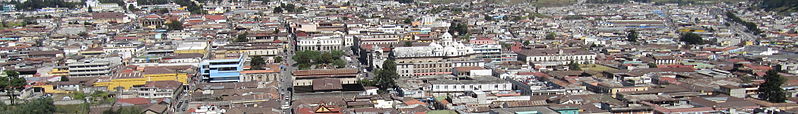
{"points": [[779, 5], [664, 1]]}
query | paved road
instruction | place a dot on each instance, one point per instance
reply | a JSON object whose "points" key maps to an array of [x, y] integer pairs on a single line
{"points": [[286, 79]]}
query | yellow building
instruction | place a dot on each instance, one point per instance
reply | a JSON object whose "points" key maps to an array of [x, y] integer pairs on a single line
{"points": [[59, 71], [126, 80], [201, 51], [50, 89]]}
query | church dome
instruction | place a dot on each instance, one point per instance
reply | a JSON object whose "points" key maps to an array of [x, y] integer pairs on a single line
{"points": [[450, 51]]}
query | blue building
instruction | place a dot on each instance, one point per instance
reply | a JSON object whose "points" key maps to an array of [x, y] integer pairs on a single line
{"points": [[226, 68]]}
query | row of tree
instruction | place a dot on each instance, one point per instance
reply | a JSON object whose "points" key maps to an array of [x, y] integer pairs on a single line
{"points": [[752, 27], [151, 2], [30, 5], [306, 59], [692, 38], [288, 7], [174, 25], [36, 106], [191, 6]]}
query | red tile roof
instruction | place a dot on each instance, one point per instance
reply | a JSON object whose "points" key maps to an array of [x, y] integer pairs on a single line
{"points": [[214, 17], [135, 101]]}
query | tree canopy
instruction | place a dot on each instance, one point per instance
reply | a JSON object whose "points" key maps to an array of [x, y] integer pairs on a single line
{"points": [[278, 59], [551, 36], [241, 37], [175, 25], [306, 59], [151, 2], [291, 8], [386, 75], [405, 1], [771, 90], [752, 27], [257, 63], [574, 66], [458, 28], [691, 38], [12, 84], [190, 6], [36, 106], [30, 5], [632, 36]]}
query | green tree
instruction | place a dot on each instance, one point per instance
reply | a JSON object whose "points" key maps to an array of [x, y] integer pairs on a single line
{"points": [[574, 66], [278, 59], [405, 1], [551, 36], [337, 53], [326, 57], [278, 10], [339, 63], [408, 44], [458, 28], [37, 106], [771, 90], [90, 10], [526, 42], [64, 78], [131, 7], [652, 65], [241, 37], [632, 36], [305, 59], [79, 95], [257, 63], [83, 34], [367, 82], [175, 25], [408, 21], [386, 75], [12, 83], [691, 38]]}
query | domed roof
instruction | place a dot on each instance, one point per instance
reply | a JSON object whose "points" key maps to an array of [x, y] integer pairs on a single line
{"points": [[459, 45], [435, 45], [450, 50]]}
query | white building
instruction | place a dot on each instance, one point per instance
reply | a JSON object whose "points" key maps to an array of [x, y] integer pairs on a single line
{"points": [[321, 43], [89, 68], [475, 83], [557, 56], [437, 58]]}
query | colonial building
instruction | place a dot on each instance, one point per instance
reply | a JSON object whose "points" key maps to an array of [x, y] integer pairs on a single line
{"points": [[320, 43], [556, 56], [474, 83], [376, 38], [151, 21], [437, 58]]}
